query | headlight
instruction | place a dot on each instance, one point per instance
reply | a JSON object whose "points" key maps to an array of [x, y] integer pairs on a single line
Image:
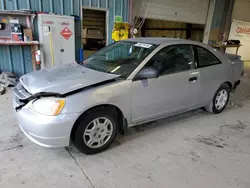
{"points": [[48, 106]]}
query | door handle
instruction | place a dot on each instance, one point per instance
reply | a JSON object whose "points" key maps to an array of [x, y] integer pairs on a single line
{"points": [[192, 79]]}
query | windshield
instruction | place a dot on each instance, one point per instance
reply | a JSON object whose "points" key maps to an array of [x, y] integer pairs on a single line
{"points": [[119, 58]]}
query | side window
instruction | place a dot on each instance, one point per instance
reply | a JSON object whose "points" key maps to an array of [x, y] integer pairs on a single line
{"points": [[173, 59], [206, 58]]}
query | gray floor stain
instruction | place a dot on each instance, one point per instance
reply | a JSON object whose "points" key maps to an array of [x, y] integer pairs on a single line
{"points": [[17, 138], [223, 137], [195, 156], [12, 148], [209, 141], [235, 105], [239, 126]]}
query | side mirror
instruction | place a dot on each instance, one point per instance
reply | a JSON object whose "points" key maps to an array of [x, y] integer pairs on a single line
{"points": [[147, 73]]}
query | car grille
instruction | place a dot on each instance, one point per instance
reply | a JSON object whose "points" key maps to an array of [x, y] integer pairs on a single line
{"points": [[20, 92]]}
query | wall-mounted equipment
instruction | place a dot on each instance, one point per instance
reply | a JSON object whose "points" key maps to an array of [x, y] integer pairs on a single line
{"points": [[5, 32], [16, 32], [57, 39]]}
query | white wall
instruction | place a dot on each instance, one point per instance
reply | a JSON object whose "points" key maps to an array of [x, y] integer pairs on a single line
{"points": [[190, 11], [241, 10], [241, 17], [240, 31]]}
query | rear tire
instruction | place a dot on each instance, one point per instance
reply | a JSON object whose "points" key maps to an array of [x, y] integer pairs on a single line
{"points": [[95, 131], [220, 100]]}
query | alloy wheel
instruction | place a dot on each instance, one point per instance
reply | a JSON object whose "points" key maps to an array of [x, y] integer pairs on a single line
{"points": [[98, 132]]}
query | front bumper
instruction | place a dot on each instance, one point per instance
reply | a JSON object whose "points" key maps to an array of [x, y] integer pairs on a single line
{"points": [[47, 131]]}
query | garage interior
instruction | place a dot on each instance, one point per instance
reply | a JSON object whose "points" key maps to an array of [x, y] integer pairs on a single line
{"points": [[171, 29], [94, 30], [194, 149], [174, 19]]}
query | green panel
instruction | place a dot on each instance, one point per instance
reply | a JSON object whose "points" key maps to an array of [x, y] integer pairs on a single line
{"points": [[118, 19]]}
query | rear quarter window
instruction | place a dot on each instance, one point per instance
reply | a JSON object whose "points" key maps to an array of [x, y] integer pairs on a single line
{"points": [[206, 58]]}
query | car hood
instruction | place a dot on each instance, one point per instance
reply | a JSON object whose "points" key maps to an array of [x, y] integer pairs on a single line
{"points": [[63, 79]]}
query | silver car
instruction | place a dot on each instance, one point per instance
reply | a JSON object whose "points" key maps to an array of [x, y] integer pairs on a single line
{"points": [[127, 83]]}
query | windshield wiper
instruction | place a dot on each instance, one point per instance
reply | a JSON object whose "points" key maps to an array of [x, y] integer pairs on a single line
{"points": [[97, 69], [94, 68]]}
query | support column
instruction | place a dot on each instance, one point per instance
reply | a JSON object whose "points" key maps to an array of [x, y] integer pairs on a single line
{"points": [[209, 20]]}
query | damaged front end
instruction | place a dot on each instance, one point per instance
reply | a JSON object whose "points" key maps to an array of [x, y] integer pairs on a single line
{"points": [[23, 97]]}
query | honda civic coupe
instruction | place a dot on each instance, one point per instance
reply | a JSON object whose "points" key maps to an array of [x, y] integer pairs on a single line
{"points": [[125, 84]]}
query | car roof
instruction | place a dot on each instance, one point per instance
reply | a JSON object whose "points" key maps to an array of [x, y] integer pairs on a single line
{"points": [[162, 40], [154, 40]]}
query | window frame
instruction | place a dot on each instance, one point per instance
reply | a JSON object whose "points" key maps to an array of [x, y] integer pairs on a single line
{"points": [[190, 45], [197, 57]]}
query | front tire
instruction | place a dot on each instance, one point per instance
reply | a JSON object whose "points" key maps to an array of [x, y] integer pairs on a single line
{"points": [[220, 100], [95, 131]]}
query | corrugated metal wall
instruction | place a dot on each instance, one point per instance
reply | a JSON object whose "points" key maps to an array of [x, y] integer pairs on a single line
{"points": [[18, 59]]}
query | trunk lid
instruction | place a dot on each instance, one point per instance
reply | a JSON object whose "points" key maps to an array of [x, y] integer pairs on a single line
{"points": [[233, 57]]}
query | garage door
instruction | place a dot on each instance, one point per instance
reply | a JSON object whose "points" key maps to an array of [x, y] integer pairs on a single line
{"points": [[189, 11]]}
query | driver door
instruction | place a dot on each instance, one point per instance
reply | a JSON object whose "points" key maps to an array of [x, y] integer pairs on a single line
{"points": [[173, 91]]}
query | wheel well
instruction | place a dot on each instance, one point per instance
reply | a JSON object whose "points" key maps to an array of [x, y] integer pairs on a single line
{"points": [[230, 85], [113, 108]]}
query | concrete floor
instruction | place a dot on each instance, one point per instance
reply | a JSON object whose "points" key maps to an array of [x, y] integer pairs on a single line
{"points": [[195, 149]]}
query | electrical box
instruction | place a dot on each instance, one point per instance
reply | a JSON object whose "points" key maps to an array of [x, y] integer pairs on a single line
{"points": [[57, 39]]}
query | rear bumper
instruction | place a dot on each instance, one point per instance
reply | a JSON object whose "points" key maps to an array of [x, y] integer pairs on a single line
{"points": [[47, 131]]}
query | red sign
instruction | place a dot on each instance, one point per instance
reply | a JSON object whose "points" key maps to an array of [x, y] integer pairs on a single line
{"points": [[48, 22], [243, 30], [66, 33]]}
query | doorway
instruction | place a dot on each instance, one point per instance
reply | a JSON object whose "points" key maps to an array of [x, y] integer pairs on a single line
{"points": [[94, 30]]}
